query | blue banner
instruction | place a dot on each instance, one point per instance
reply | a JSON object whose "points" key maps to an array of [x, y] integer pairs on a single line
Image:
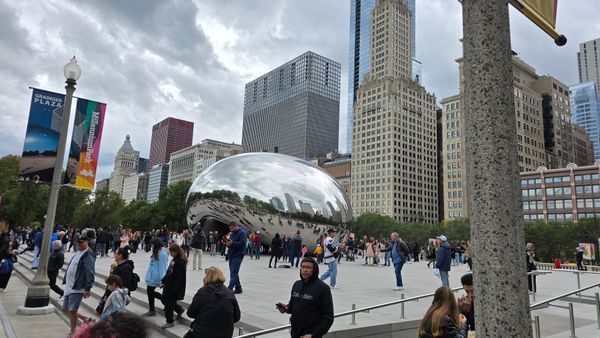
{"points": [[41, 138]]}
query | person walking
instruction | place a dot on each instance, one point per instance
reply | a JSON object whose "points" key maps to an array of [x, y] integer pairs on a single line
{"points": [[174, 285], [212, 241], [198, 244], [443, 319], [55, 263], [79, 279], [532, 260], [330, 258], [214, 308], [257, 244], [236, 249], [37, 243], [296, 248], [443, 260], [310, 304], [399, 251], [276, 247], [579, 259], [159, 261]]}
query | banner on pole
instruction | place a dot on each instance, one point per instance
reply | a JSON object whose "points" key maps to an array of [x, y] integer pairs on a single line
{"points": [[85, 144], [41, 137]]}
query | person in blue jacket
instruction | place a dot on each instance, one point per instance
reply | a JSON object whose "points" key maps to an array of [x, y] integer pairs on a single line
{"points": [[443, 260], [236, 242], [159, 262]]}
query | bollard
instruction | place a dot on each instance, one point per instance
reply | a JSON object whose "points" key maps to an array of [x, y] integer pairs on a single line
{"points": [[538, 334], [572, 321], [598, 308], [402, 307], [353, 322]]}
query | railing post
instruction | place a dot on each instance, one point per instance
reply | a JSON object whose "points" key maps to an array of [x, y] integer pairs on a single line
{"points": [[538, 334], [598, 308], [402, 306], [241, 331], [578, 283], [534, 284], [353, 322], [572, 321]]}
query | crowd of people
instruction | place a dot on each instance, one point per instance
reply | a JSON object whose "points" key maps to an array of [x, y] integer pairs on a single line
{"points": [[214, 307]]}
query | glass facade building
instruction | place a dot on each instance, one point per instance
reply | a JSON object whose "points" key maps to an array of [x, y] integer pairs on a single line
{"points": [[294, 109], [585, 110], [359, 53], [157, 181]]}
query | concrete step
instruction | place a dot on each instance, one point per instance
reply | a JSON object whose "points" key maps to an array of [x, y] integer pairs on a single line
{"points": [[88, 306]]}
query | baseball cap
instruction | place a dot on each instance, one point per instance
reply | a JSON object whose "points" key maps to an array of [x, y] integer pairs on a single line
{"points": [[83, 238], [442, 238]]}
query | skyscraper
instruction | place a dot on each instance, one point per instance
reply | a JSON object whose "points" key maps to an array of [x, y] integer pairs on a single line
{"points": [[360, 52], [588, 59], [169, 135], [585, 108], [394, 135], [294, 109]]}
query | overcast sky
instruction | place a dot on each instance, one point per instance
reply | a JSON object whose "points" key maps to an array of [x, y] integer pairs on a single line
{"points": [[190, 59]]}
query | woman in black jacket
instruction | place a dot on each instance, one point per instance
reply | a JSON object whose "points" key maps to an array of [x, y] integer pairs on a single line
{"points": [[214, 307], [5, 255], [124, 269], [276, 247], [443, 319], [174, 284]]}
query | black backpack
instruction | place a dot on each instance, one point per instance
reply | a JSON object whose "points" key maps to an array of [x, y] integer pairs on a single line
{"points": [[136, 280]]}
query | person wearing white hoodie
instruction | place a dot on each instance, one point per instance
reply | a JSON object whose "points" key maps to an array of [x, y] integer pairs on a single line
{"points": [[118, 299]]}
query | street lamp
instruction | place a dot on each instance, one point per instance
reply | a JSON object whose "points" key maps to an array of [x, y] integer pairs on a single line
{"points": [[38, 293]]}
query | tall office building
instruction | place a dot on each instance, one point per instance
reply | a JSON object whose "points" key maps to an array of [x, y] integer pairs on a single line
{"points": [[586, 111], [135, 187], [126, 163], [583, 147], [588, 59], [157, 181], [394, 142], [294, 109], [546, 134], [359, 55], [169, 135]]}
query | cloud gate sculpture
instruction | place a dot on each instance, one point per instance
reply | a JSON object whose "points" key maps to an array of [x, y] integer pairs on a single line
{"points": [[270, 193]]}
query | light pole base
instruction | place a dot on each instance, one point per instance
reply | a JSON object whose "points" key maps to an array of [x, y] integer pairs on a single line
{"points": [[35, 311], [38, 294]]}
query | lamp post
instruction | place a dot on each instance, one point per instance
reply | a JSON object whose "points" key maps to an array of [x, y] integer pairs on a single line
{"points": [[38, 293]]}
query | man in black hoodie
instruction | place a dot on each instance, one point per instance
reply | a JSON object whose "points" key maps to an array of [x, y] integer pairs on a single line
{"points": [[310, 305]]}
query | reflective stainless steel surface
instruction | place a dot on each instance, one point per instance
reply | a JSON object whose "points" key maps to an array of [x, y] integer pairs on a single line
{"points": [[270, 193]]}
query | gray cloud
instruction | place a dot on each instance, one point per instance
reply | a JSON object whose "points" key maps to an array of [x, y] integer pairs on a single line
{"points": [[190, 59]]}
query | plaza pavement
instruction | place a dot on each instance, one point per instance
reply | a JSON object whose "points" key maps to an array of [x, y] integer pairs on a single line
{"points": [[363, 286]]}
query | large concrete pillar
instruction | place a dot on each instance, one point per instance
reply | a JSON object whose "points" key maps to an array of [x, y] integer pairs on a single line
{"points": [[495, 210]]}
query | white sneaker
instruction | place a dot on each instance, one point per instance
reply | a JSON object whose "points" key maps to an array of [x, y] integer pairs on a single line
{"points": [[333, 286], [398, 288]]}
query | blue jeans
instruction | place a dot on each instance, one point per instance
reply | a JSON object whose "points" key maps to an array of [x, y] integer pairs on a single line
{"points": [[444, 278], [257, 251], [398, 271], [234, 270], [297, 256], [331, 272], [100, 249]]}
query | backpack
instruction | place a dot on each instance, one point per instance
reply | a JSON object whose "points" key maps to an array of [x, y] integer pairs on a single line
{"points": [[136, 280], [6, 266]]}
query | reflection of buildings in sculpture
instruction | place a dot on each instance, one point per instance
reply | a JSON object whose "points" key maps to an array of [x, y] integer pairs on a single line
{"points": [[56, 121], [277, 203], [157, 181], [306, 208], [291, 205], [341, 215], [186, 164], [126, 163], [135, 187], [331, 211]]}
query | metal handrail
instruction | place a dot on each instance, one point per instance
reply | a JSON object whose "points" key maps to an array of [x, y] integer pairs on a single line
{"points": [[547, 301], [345, 313]]}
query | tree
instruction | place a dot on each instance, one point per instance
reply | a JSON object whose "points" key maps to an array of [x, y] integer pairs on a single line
{"points": [[375, 225], [171, 205], [101, 210], [9, 170], [69, 201]]}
